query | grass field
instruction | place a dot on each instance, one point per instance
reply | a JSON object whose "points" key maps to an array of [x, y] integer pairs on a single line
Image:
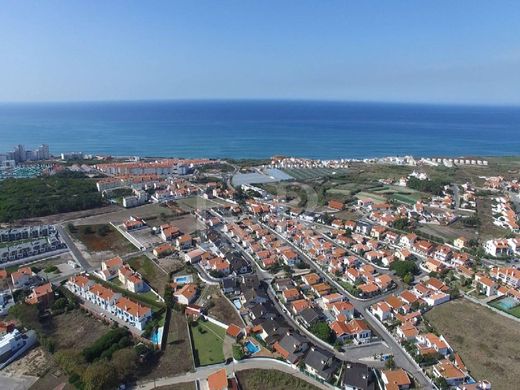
{"points": [[208, 341], [153, 274], [371, 195], [271, 379], [486, 341], [112, 240], [410, 198]]}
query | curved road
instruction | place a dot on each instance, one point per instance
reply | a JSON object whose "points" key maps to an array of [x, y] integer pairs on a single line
{"points": [[248, 364]]}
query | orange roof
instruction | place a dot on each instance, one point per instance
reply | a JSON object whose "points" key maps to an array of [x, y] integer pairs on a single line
{"points": [[393, 301], [113, 262], [397, 377], [290, 293], [80, 280], [188, 290], [163, 248], [134, 308], [311, 278], [102, 292], [339, 328], [233, 330], [3, 274], [368, 288], [24, 271], [300, 304], [44, 289]]}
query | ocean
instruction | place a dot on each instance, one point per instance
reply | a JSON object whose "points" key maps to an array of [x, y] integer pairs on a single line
{"points": [[260, 129]]}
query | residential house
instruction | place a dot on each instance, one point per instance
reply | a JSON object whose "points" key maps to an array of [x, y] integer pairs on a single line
{"points": [[291, 347], [110, 267], [41, 295], [186, 294], [449, 372], [396, 379], [357, 376], [321, 363], [22, 277]]}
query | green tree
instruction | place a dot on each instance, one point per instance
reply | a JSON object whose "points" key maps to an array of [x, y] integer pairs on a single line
{"points": [[125, 362], [408, 278], [168, 296], [402, 268], [99, 376], [238, 352], [401, 224], [390, 363], [322, 330]]}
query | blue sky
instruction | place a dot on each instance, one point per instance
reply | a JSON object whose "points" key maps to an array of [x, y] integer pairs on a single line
{"points": [[414, 51]]}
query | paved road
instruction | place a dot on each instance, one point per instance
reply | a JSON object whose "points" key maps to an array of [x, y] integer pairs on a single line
{"points": [[248, 364], [16, 382], [76, 253], [456, 195]]}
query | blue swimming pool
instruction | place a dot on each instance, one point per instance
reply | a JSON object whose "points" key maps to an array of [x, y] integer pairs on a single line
{"points": [[507, 303], [251, 347], [183, 279], [155, 338], [237, 303]]}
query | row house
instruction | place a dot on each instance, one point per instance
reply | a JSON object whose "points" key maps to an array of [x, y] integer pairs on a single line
{"points": [[133, 313], [507, 275]]}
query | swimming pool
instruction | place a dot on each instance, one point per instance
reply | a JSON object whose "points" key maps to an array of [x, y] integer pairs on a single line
{"points": [[507, 303], [251, 347], [183, 279], [237, 303]]}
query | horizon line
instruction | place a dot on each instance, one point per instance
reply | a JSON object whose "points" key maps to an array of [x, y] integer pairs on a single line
{"points": [[245, 99]]}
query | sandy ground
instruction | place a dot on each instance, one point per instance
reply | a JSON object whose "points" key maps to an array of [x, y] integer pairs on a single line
{"points": [[34, 363]]}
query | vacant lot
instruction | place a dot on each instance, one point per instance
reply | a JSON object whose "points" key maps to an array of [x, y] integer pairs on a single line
{"points": [[176, 358], [156, 277], [223, 310], [271, 379], [200, 203], [103, 237], [487, 229], [117, 215], [208, 340], [486, 341]]}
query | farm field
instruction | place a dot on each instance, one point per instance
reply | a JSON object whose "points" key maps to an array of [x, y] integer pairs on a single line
{"points": [[208, 341], [486, 341]]}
